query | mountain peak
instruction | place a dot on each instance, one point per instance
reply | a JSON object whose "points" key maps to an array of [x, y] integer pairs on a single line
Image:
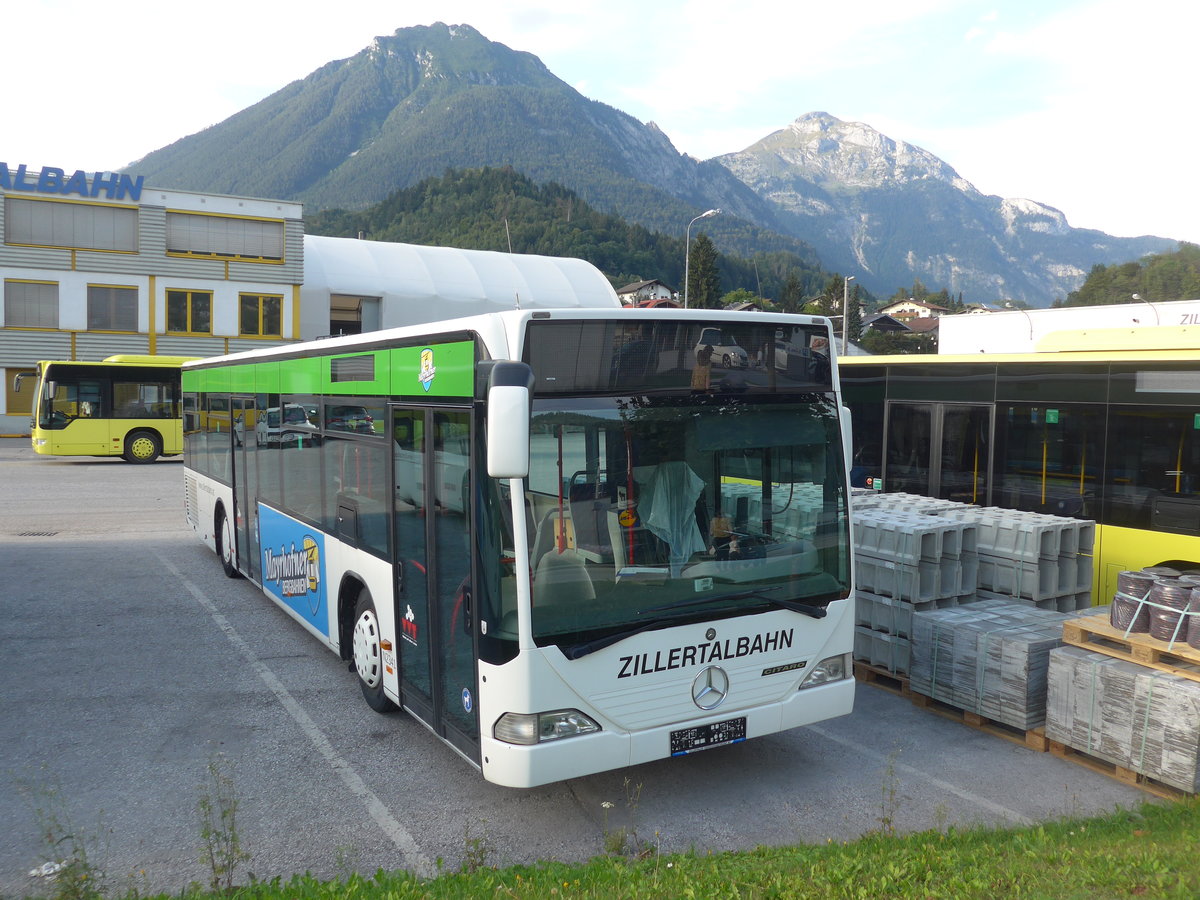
{"points": [[434, 97], [831, 152], [853, 154]]}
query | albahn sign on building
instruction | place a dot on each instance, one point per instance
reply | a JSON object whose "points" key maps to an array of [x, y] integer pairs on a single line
{"points": [[50, 180]]}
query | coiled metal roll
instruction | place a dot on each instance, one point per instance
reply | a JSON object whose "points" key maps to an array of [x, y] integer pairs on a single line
{"points": [[1127, 612]]}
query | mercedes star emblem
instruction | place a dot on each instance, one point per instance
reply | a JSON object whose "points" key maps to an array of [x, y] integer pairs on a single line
{"points": [[710, 688]]}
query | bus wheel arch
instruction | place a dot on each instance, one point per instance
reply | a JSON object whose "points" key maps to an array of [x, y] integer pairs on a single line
{"points": [[142, 446], [367, 651]]}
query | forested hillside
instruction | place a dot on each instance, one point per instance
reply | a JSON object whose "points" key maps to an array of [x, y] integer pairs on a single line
{"points": [[500, 209], [1158, 277]]}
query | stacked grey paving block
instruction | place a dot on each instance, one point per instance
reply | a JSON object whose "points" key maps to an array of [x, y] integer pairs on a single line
{"points": [[917, 554], [1041, 560], [1037, 559], [989, 658], [905, 561], [1132, 716]]}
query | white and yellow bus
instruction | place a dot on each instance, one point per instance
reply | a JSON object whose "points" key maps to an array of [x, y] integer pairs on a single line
{"points": [[124, 405], [552, 536], [1101, 425]]}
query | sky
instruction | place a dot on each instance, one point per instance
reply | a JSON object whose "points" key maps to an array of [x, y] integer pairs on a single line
{"points": [[1078, 104]]}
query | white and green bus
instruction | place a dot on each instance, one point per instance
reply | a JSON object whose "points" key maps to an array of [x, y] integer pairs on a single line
{"points": [[565, 540]]}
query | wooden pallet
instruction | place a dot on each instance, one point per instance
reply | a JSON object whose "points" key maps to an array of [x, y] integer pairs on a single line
{"points": [[1032, 738], [881, 678], [1119, 773], [1095, 633]]}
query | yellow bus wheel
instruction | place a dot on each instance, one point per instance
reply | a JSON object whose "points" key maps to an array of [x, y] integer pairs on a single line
{"points": [[142, 447]]}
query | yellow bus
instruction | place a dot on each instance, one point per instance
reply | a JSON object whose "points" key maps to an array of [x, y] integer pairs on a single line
{"points": [[1101, 425], [125, 405]]}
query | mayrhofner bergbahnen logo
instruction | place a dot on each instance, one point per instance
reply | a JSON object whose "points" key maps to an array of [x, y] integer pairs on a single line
{"points": [[296, 571]]}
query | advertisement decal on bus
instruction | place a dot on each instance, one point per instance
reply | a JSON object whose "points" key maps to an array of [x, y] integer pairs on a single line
{"points": [[293, 566]]}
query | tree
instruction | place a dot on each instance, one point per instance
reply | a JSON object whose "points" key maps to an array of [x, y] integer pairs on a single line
{"points": [[704, 281], [854, 316], [792, 297], [1157, 277], [884, 343]]}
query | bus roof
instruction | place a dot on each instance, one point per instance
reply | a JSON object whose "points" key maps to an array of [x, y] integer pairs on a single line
{"points": [[1179, 343], [124, 359], [1170, 337], [134, 359]]}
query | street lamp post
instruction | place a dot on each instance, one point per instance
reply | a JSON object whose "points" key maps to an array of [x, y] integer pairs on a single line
{"points": [[1139, 297], [687, 250], [846, 312]]}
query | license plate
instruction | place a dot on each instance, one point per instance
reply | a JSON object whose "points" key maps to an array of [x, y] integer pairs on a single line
{"points": [[702, 737]]}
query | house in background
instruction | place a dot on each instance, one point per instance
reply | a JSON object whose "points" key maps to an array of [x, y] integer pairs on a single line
{"points": [[648, 293], [927, 325], [905, 310], [883, 323]]}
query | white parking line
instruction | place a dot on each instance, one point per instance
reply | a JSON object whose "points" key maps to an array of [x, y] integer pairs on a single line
{"points": [[1000, 810], [418, 862]]}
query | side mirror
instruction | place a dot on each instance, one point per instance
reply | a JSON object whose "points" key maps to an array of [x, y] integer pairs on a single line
{"points": [[509, 401]]}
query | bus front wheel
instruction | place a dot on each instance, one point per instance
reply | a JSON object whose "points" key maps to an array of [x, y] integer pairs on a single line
{"points": [[368, 654], [225, 545], [142, 447]]}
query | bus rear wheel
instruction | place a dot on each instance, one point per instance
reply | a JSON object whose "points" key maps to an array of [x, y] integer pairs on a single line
{"points": [[142, 447], [368, 654], [225, 546]]}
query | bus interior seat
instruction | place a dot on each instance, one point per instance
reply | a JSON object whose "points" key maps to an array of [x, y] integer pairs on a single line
{"points": [[590, 504], [547, 535], [648, 549], [562, 579]]}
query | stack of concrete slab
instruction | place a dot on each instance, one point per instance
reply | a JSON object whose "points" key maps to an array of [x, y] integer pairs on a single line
{"points": [[914, 557], [1138, 718], [1042, 560], [879, 648], [990, 658], [1036, 559], [904, 562]]}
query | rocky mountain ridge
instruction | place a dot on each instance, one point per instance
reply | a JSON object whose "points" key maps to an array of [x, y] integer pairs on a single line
{"points": [[888, 211], [430, 98]]}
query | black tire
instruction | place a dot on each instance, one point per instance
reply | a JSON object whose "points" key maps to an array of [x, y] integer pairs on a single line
{"points": [[226, 547], [368, 655], [142, 447]]}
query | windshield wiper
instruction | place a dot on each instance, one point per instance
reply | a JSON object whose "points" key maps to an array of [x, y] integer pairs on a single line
{"points": [[579, 650], [817, 612]]}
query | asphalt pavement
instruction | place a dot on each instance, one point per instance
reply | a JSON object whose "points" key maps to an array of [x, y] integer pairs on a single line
{"points": [[139, 682]]}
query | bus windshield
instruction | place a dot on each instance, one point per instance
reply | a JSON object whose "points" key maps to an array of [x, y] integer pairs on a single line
{"points": [[652, 511]]}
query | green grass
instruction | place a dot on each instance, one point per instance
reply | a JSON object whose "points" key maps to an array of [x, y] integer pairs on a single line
{"points": [[1150, 852]]}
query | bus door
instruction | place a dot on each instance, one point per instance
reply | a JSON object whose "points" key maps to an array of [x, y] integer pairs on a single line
{"points": [[938, 450], [245, 485], [432, 512]]}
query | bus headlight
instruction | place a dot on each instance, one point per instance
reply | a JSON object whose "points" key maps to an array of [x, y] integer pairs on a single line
{"points": [[537, 728], [834, 668]]}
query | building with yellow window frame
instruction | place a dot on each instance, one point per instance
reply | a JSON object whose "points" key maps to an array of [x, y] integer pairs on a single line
{"points": [[97, 264]]}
